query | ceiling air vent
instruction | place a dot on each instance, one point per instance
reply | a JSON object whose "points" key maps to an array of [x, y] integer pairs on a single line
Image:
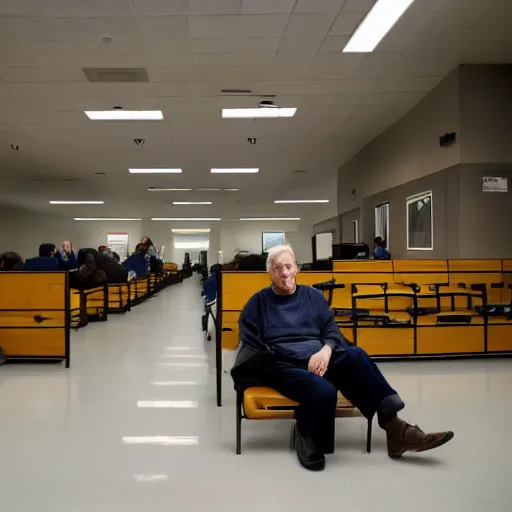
{"points": [[116, 75]]}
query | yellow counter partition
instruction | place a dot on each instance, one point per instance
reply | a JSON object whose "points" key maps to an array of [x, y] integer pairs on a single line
{"points": [[35, 315], [119, 297], [395, 309]]}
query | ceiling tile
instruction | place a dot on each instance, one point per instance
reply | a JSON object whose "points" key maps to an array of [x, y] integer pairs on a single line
{"points": [[238, 26], [319, 6], [346, 23], [21, 8], [112, 7], [68, 8], [334, 44], [167, 27], [235, 45], [267, 6], [41, 74], [17, 54], [358, 5], [205, 7], [119, 28], [27, 29], [233, 59], [168, 46], [308, 25], [160, 7], [170, 74], [77, 29]]}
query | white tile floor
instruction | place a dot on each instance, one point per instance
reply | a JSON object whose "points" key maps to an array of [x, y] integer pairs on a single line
{"points": [[70, 439]]}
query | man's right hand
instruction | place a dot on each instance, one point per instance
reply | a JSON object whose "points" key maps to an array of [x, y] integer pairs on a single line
{"points": [[319, 362]]}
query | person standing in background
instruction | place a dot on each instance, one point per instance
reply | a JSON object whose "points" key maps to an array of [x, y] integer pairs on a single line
{"points": [[151, 250]]}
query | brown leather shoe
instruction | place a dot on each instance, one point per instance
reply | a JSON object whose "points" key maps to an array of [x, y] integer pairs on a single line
{"points": [[403, 437]]}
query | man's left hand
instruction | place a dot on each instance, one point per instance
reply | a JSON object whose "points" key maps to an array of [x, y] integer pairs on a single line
{"points": [[319, 362]]}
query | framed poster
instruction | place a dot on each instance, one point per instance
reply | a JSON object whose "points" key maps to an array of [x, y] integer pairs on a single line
{"points": [[420, 222], [270, 239]]}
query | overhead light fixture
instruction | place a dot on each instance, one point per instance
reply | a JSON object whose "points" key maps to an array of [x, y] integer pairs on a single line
{"points": [[254, 113], [103, 218], [270, 218], [158, 189], [231, 189], [155, 171], [199, 219], [296, 201], [124, 115], [235, 170], [377, 23], [192, 202], [185, 231], [162, 440], [209, 189], [150, 478], [77, 202]]}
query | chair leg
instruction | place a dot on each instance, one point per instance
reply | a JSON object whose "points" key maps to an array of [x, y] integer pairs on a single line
{"points": [[239, 400], [369, 436]]}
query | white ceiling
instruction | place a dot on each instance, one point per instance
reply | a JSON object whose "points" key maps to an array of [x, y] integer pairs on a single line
{"points": [[192, 49]]}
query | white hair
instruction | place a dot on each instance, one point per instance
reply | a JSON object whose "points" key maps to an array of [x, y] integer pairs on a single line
{"points": [[277, 250]]}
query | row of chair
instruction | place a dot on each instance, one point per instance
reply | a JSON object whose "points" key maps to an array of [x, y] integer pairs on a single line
{"points": [[392, 309], [38, 309]]}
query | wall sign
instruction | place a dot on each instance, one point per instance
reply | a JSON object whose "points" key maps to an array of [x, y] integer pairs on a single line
{"points": [[494, 184]]}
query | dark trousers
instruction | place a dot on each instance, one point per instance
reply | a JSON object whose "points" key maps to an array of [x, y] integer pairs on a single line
{"points": [[354, 374]]}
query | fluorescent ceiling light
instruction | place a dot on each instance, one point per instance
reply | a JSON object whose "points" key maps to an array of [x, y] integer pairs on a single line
{"points": [[295, 201], [377, 23], [186, 219], [162, 440], [77, 202], [209, 189], [252, 113], [241, 170], [124, 115], [150, 478], [157, 189], [167, 404], [102, 218], [270, 218], [192, 202], [231, 189], [155, 171], [185, 231]]}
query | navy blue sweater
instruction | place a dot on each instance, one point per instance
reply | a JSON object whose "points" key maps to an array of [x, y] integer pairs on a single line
{"points": [[295, 326]]}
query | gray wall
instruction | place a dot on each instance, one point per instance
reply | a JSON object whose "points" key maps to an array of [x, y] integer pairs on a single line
{"points": [[347, 230], [407, 151], [445, 213], [328, 226], [484, 217], [486, 113], [476, 103]]}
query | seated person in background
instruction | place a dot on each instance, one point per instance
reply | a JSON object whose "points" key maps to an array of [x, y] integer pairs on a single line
{"points": [[151, 250], [11, 261], [114, 271], [380, 252], [252, 262], [46, 262], [66, 256], [290, 342], [137, 262], [88, 275]]}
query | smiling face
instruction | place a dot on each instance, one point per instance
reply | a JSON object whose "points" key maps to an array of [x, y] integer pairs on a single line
{"points": [[283, 270]]}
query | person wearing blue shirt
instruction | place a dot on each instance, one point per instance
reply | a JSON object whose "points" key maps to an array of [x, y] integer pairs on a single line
{"points": [[46, 262], [289, 341], [380, 252]]}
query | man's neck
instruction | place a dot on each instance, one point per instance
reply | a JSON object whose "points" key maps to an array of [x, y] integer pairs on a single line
{"points": [[277, 291]]}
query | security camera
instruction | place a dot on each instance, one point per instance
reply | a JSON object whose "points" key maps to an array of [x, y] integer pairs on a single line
{"points": [[252, 140]]}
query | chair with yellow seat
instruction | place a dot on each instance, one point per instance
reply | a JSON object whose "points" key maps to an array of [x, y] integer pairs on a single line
{"points": [[264, 403]]}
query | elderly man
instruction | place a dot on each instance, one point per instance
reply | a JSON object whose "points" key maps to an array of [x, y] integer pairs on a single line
{"points": [[290, 342]]}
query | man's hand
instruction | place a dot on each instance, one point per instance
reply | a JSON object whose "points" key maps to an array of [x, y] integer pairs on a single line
{"points": [[319, 362]]}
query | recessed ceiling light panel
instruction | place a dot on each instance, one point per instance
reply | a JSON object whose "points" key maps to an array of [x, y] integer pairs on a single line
{"points": [[297, 201], [255, 113], [235, 170], [124, 115], [270, 218], [155, 171], [77, 202]]}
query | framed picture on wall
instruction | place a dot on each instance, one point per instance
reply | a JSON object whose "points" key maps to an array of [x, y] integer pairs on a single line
{"points": [[270, 239], [420, 222]]}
